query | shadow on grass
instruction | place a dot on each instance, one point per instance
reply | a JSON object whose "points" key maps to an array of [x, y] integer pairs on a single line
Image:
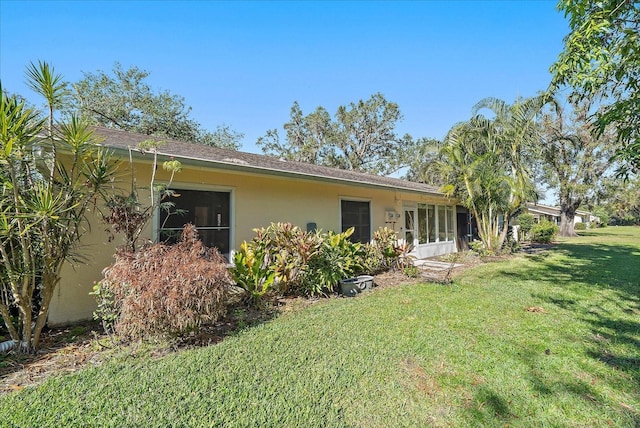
{"points": [[490, 407], [598, 284]]}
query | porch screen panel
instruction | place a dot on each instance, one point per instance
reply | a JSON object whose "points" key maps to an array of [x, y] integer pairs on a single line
{"points": [[442, 224], [356, 214], [431, 223], [450, 223], [422, 224], [409, 226], [209, 211]]}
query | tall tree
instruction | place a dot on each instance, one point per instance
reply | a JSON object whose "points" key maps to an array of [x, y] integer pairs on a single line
{"points": [[574, 157], [601, 58], [422, 160], [620, 200], [124, 100], [43, 202], [224, 137], [308, 138], [361, 137], [485, 163]]}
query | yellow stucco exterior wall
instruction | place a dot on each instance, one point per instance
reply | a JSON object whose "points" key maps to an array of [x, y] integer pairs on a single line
{"points": [[256, 201]]}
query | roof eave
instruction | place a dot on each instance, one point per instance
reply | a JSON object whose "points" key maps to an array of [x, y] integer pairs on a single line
{"points": [[230, 166]]}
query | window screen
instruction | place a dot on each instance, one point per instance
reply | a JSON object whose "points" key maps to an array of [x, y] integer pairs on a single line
{"points": [[358, 215], [208, 211]]}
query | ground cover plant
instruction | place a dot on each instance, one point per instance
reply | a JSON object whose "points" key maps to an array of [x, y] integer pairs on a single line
{"points": [[543, 339]]}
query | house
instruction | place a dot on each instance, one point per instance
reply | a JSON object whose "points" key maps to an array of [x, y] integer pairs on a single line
{"points": [[553, 214], [227, 194]]}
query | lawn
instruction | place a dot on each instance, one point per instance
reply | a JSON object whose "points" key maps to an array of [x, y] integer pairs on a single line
{"points": [[547, 339]]}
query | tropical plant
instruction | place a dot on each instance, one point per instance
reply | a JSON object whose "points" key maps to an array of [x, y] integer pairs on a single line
{"points": [[485, 164], [52, 175], [283, 259], [382, 253], [252, 270], [337, 258], [289, 251]]}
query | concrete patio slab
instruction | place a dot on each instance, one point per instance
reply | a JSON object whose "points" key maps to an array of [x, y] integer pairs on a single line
{"points": [[434, 265]]}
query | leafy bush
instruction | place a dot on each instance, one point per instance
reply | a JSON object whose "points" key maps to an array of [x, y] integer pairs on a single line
{"points": [[164, 290], [411, 271], [526, 223], [544, 232], [287, 260], [289, 250], [603, 216], [580, 226], [337, 258], [276, 260], [382, 253], [479, 248], [252, 270]]}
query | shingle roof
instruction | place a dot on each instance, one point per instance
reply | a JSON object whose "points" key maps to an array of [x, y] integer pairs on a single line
{"points": [[250, 162]]}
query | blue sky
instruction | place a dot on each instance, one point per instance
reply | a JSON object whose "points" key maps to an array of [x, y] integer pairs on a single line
{"points": [[245, 63]]}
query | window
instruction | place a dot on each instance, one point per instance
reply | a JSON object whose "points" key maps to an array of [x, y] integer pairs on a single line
{"points": [[442, 224], [431, 222], [423, 236], [356, 214], [426, 223], [450, 223], [209, 211], [435, 223], [409, 225]]}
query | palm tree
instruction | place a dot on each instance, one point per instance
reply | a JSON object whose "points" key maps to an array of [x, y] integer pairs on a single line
{"points": [[485, 162]]}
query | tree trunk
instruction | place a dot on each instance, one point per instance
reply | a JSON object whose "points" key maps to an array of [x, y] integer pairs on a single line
{"points": [[6, 316], [50, 282], [566, 224], [568, 207], [504, 232]]}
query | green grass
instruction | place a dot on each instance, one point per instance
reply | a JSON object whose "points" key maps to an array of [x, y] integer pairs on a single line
{"points": [[468, 354]]}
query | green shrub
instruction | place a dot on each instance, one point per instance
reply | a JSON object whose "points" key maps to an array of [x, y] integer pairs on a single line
{"points": [[603, 215], [580, 226], [164, 291], [337, 258], [382, 253], [253, 271], [526, 223], [544, 232], [411, 271], [289, 250], [289, 261], [479, 248]]}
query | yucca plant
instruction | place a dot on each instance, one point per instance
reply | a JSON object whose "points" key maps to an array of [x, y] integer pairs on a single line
{"points": [[50, 177]]}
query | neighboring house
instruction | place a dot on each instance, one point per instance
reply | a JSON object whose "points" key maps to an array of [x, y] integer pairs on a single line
{"points": [[227, 194], [553, 214]]}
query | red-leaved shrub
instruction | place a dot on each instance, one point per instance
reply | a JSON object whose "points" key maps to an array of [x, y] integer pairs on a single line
{"points": [[164, 290]]}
